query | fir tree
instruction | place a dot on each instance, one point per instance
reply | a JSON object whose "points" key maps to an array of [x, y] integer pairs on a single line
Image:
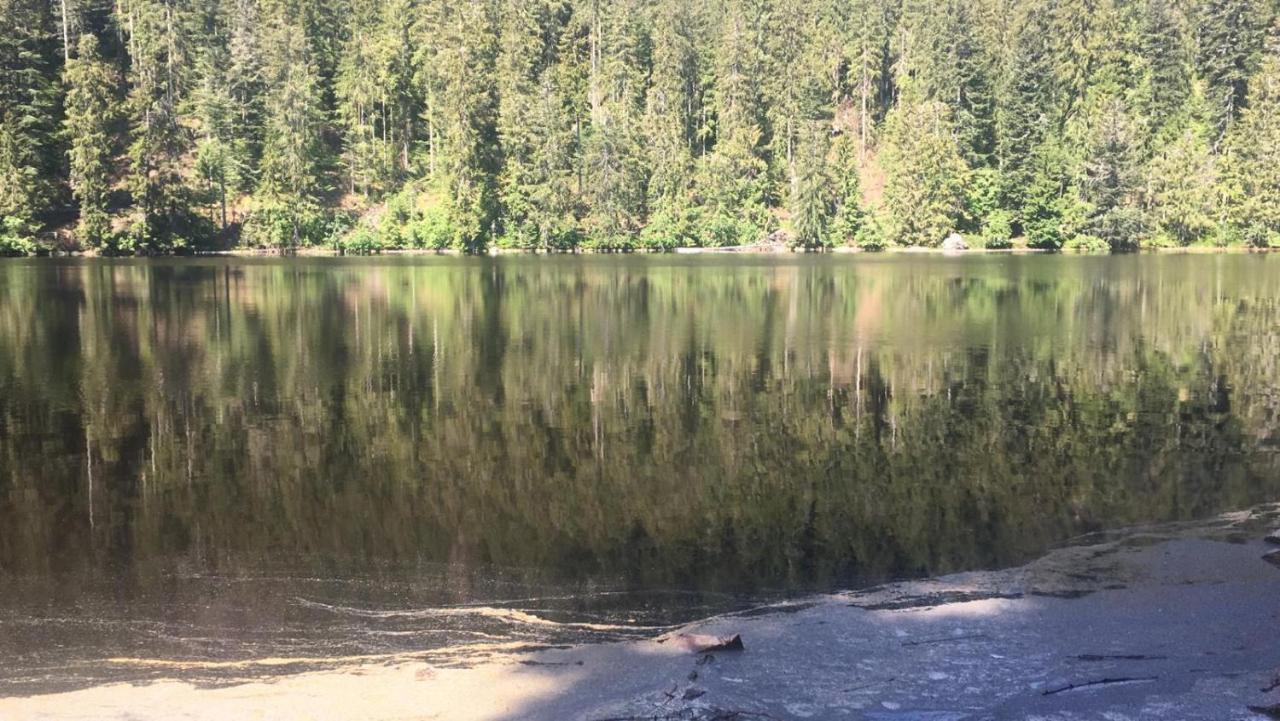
{"points": [[1166, 80], [924, 188], [27, 102], [1025, 110], [1109, 181], [1229, 38], [1253, 159], [158, 47], [89, 106]]}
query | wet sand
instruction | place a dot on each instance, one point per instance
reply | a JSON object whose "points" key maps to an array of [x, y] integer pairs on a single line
{"points": [[1169, 622]]}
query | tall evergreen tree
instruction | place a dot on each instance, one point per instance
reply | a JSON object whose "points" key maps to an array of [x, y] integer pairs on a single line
{"points": [[734, 175], [674, 105], [464, 108], [1110, 178], [1166, 80], [1025, 111], [89, 106], [925, 174], [1230, 36], [1253, 158], [159, 60], [292, 153], [27, 109]]}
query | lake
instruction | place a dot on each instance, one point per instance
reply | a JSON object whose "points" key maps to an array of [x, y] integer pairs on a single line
{"points": [[211, 460]]}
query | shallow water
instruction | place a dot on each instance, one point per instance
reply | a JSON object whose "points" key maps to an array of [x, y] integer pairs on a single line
{"points": [[220, 460]]}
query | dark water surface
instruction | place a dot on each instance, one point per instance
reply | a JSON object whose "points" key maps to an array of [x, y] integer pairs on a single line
{"points": [[232, 459]]}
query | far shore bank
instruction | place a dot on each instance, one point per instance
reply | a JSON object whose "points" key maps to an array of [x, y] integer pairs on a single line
{"points": [[324, 252], [1175, 621]]}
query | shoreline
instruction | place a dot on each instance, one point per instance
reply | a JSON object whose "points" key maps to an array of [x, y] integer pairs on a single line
{"points": [[1172, 621], [323, 252]]}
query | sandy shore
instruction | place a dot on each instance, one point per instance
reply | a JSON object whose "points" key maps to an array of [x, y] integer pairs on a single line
{"points": [[1172, 623]]}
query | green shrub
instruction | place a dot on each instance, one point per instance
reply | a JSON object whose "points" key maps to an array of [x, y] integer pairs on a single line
{"points": [[724, 231], [871, 236], [16, 237], [664, 232], [1256, 235], [363, 240], [432, 229], [1085, 243], [997, 229]]}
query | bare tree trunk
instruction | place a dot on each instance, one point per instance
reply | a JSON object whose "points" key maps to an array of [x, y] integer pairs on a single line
{"points": [[66, 35]]}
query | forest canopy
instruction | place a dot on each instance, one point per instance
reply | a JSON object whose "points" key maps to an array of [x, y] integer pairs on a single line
{"points": [[153, 126]]}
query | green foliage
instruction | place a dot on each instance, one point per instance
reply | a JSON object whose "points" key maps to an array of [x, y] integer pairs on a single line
{"points": [[997, 229], [289, 226], [721, 230], [1046, 204], [981, 198], [1109, 179], [431, 230], [665, 231], [29, 160], [924, 191], [1253, 158], [1180, 182], [871, 236], [1085, 243], [849, 216], [555, 124], [89, 104], [16, 237], [363, 240], [812, 204]]}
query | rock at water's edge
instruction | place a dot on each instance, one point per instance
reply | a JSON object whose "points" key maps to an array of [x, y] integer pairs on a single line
{"points": [[954, 243]]}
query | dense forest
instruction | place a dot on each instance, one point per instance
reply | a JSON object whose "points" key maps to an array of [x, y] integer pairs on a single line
{"points": [[146, 126]]}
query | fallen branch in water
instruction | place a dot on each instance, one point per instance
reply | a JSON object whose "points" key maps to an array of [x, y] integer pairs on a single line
{"points": [[1101, 682]]}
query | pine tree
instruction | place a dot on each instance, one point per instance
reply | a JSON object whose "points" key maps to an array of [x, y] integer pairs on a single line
{"points": [[27, 101], [1025, 113], [1182, 176], [811, 202], [1253, 156], [89, 105], [158, 47], [848, 216], [292, 155], [1230, 36], [613, 155], [866, 47], [924, 188], [463, 111], [733, 176], [1166, 80], [376, 102], [674, 105], [944, 61], [1110, 178]]}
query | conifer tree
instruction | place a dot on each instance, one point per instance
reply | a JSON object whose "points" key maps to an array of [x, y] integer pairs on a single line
{"points": [[811, 202], [924, 188], [1166, 81], [158, 51], [848, 216], [27, 102], [465, 104], [674, 105], [89, 106], [1253, 156], [1229, 38], [1025, 109], [733, 176], [1109, 181]]}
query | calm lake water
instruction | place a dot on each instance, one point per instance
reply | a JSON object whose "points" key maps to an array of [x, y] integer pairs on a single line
{"points": [[227, 459]]}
